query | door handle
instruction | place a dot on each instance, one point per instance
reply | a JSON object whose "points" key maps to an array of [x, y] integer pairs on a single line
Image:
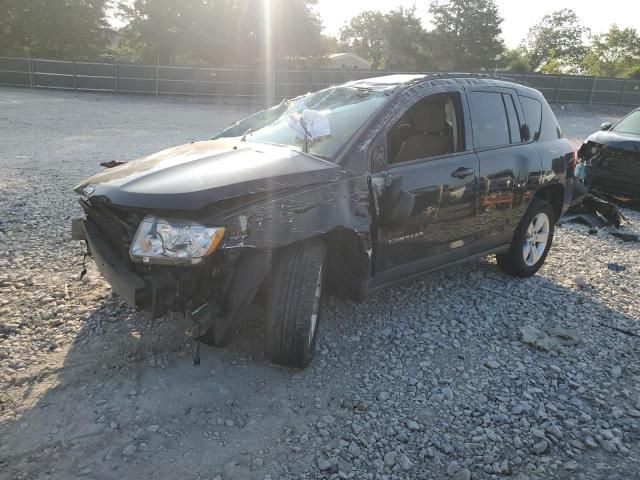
{"points": [[463, 172]]}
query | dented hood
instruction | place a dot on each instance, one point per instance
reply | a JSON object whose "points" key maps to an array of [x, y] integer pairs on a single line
{"points": [[192, 176], [612, 139]]}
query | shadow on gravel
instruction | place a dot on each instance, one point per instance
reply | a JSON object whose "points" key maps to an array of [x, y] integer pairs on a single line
{"points": [[128, 402]]}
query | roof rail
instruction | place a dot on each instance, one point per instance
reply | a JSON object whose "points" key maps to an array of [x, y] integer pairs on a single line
{"points": [[432, 75]]}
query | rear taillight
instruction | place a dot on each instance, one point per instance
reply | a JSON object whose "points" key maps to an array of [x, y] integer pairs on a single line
{"points": [[574, 161]]}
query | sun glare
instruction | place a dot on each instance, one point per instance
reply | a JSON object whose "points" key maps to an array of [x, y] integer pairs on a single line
{"points": [[268, 53]]}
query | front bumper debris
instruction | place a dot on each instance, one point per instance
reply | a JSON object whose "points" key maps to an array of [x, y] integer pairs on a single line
{"points": [[125, 283], [219, 293], [610, 169], [614, 182]]}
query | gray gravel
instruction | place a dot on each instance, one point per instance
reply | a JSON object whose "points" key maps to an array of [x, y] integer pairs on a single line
{"points": [[432, 379]]}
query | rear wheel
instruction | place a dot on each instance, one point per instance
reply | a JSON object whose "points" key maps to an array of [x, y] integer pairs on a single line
{"points": [[293, 306], [531, 241]]}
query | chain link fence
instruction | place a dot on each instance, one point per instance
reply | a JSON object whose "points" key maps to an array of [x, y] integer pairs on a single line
{"points": [[115, 77]]}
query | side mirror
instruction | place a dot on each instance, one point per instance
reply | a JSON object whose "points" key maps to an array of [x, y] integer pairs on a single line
{"points": [[606, 126], [525, 133]]}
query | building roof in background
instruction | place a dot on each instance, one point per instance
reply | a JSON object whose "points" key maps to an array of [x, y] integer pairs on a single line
{"points": [[348, 60]]}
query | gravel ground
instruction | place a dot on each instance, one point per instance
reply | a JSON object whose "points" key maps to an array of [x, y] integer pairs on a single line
{"points": [[462, 374]]}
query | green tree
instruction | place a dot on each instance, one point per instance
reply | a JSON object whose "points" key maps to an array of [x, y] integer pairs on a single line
{"points": [[554, 64], [388, 40], [615, 53], [365, 35], [634, 73], [467, 34], [515, 60], [222, 32], [54, 28], [163, 28], [405, 40], [556, 42], [331, 44]]}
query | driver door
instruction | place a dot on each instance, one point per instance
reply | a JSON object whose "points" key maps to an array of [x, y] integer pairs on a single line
{"points": [[429, 156]]}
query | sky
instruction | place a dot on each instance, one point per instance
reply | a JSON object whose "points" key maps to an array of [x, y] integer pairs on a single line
{"points": [[518, 15]]}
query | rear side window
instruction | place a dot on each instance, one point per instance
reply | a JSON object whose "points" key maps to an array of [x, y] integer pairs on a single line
{"points": [[550, 129], [533, 115], [489, 120]]}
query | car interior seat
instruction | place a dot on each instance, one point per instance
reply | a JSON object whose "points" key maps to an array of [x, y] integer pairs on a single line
{"points": [[432, 134]]}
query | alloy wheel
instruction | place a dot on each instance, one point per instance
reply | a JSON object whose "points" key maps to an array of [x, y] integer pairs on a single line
{"points": [[536, 239]]}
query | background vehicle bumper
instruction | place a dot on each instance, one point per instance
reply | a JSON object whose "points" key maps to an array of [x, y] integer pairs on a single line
{"points": [[614, 182]]}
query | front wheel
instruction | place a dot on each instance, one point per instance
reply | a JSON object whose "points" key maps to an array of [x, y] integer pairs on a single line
{"points": [[531, 241], [293, 305]]}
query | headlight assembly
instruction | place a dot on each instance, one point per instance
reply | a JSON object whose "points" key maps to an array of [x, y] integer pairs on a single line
{"points": [[174, 241]]}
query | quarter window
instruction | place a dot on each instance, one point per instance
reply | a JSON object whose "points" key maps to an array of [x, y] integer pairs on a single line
{"points": [[489, 120], [533, 115]]}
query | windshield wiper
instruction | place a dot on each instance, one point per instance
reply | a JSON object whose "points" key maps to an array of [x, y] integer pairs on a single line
{"points": [[307, 135], [244, 137]]}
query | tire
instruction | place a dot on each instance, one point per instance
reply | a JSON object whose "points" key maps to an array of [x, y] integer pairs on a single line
{"points": [[293, 305], [525, 258]]}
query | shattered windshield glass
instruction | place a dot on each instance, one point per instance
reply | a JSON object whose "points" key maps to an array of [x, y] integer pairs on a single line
{"points": [[629, 124], [319, 123]]}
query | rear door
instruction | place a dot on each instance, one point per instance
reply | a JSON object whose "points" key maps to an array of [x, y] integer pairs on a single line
{"points": [[509, 166]]}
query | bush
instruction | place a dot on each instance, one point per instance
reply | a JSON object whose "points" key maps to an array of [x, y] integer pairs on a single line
{"points": [[634, 73]]}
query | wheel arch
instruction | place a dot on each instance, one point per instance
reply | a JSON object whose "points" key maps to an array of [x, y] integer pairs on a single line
{"points": [[348, 263], [554, 194]]}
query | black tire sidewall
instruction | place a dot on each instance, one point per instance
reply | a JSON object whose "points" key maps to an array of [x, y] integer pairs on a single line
{"points": [[288, 321], [515, 261]]}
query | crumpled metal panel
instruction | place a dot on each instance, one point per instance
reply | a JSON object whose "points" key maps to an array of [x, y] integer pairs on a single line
{"points": [[311, 212]]}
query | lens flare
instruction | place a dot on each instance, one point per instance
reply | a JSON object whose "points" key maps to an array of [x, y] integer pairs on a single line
{"points": [[269, 73]]}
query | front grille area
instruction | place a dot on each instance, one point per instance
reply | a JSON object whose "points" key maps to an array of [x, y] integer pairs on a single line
{"points": [[117, 226], [620, 161]]}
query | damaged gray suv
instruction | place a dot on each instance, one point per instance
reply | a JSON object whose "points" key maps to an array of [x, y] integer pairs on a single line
{"points": [[345, 190]]}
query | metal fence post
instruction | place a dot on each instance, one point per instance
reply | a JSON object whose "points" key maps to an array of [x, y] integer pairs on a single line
{"points": [[593, 88], [194, 71], [273, 85], [235, 83], [31, 79], [624, 89], [558, 89]]}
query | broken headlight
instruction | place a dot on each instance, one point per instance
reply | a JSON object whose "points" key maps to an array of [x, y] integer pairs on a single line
{"points": [[174, 241]]}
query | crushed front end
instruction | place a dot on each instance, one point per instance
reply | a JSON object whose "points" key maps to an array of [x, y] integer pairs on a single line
{"points": [[164, 265], [610, 169]]}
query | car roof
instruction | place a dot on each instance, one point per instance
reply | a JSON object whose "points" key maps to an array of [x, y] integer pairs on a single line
{"points": [[386, 81], [405, 80]]}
